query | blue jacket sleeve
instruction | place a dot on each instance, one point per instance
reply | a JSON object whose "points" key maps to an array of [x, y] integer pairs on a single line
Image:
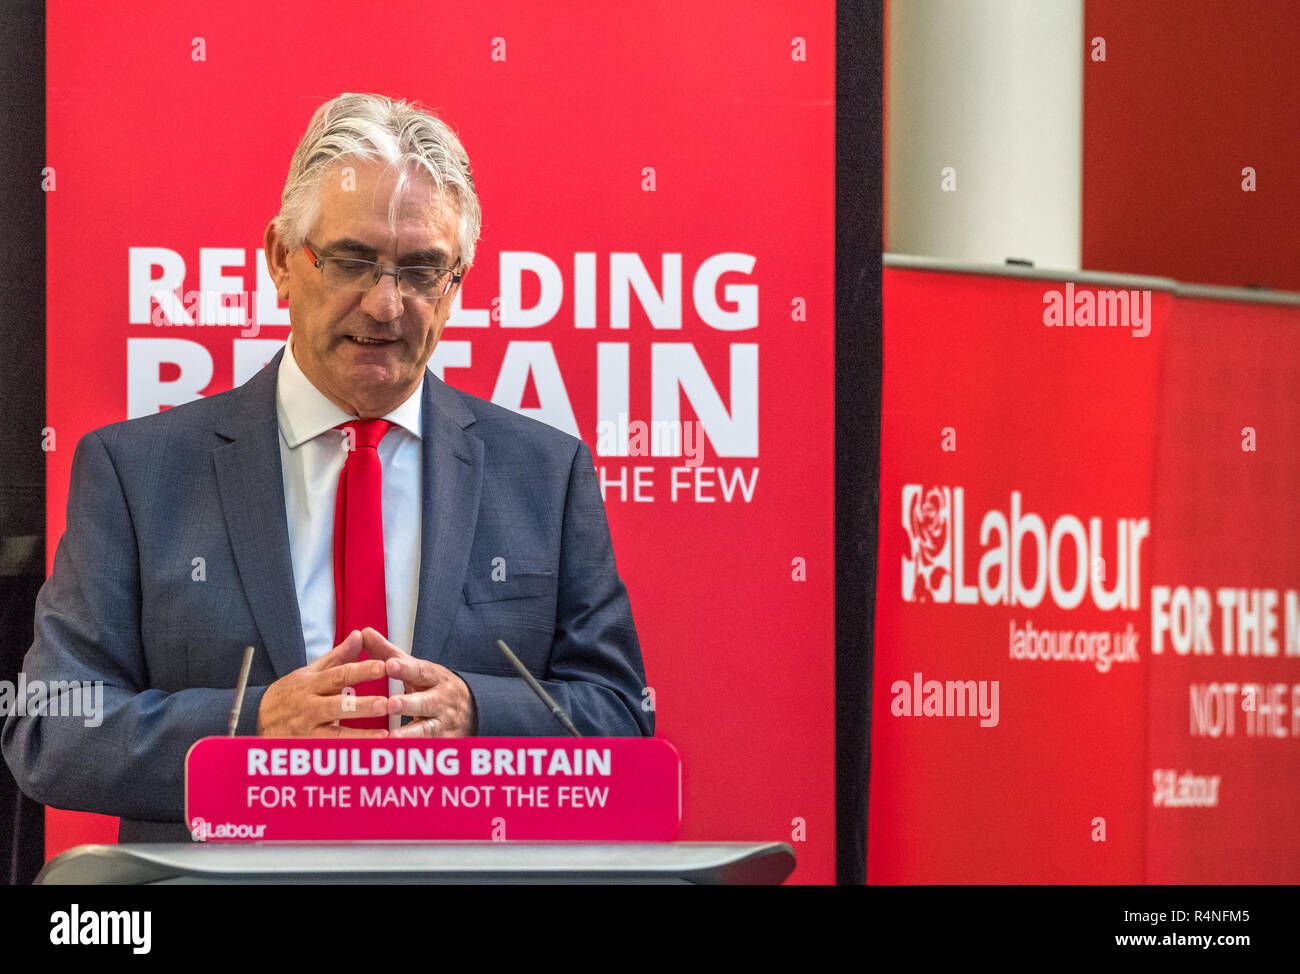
{"points": [[127, 756]]}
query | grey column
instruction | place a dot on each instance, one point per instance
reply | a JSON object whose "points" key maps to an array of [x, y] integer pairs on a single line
{"points": [[994, 90]]}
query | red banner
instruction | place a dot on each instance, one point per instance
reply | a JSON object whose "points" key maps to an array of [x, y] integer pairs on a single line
{"points": [[1223, 750], [657, 252], [1055, 482], [242, 789]]}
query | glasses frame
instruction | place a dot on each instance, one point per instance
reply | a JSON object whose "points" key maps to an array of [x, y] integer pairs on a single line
{"points": [[387, 270]]}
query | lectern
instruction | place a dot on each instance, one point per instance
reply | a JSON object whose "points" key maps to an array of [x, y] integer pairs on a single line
{"points": [[697, 863], [467, 810]]}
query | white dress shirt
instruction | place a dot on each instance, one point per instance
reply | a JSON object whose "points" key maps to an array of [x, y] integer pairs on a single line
{"points": [[311, 460]]}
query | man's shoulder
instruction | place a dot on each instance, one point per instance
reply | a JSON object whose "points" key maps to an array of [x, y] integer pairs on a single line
{"points": [[501, 426], [172, 426]]}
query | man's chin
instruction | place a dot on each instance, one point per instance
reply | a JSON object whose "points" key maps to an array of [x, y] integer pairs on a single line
{"points": [[358, 359], [375, 388]]}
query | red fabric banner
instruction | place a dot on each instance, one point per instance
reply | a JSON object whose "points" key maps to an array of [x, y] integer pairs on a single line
{"points": [[657, 248], [1063, 463]]}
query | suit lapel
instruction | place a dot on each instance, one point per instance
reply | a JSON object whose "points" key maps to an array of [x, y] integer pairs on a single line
{"points": [[249, 479], [452, 468], [251, 484]]}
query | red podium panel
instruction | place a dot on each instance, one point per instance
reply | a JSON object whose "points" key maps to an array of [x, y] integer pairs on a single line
{"points": [[249, 789]]}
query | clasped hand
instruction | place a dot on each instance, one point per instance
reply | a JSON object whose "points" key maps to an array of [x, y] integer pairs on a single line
{"points": [[310, 702]]}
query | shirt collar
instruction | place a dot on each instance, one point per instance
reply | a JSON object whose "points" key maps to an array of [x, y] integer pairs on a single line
{"points": [[304, 412]]}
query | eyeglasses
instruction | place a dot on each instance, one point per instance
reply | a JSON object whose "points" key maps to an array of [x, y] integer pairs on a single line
{"points": [[355, 274]]}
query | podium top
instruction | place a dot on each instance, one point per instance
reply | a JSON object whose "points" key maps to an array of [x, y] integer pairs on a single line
{"points": [[701, 863]]}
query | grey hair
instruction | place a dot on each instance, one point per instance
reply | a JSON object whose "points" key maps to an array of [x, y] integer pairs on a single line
{"points": [[372, 127]]}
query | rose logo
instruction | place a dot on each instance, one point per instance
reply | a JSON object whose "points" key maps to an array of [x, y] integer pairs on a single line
{"points": [[926, 517]]}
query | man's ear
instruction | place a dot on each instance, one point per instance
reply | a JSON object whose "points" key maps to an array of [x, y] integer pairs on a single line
{"points": [[277, 260]]}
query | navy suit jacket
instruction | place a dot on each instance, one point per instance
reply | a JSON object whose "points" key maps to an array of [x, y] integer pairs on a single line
{"points": [[151, 495]]}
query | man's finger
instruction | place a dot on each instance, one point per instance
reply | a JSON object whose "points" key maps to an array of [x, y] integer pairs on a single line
{"points": [[415, 672], [345, 706], [377, 646], [347, 651], [424, 727], [423, 703], [335, 731], [349, 674], [321, 711]]}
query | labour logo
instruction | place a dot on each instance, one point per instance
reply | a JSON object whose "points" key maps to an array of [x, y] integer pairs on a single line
{"points": [[927, 566]]}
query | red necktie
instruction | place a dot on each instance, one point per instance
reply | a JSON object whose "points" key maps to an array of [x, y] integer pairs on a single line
{"points": [[359, 549]]}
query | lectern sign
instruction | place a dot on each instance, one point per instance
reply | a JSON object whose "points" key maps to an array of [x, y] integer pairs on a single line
{"points": [[243, 789]]}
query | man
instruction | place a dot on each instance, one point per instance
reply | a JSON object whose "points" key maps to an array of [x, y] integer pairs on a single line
{"points": [[222, 523]]}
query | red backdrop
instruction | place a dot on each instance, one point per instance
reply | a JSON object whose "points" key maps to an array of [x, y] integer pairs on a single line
{"points": [[613, 131]]}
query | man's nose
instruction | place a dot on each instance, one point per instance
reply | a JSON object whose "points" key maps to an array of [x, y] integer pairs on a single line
{"points": [[383, 301]]}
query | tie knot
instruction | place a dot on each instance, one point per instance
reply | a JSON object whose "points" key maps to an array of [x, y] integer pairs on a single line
{"points": [[367, 432]]}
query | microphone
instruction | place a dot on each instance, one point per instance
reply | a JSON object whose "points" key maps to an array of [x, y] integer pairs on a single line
{"points": [[240, 689], [538, 689]]}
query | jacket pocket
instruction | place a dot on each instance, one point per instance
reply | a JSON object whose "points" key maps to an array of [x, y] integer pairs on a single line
{"points": [[526, 585]]}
